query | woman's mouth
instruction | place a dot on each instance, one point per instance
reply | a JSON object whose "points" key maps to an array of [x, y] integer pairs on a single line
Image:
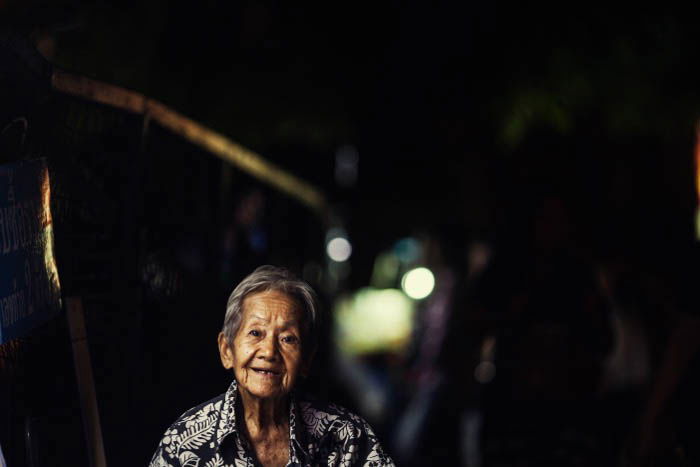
{"points": [[265, 372]]}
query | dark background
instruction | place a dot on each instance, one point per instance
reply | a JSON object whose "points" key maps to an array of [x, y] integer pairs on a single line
{"points": [[454, 109], [423, 91], [461, 115]]}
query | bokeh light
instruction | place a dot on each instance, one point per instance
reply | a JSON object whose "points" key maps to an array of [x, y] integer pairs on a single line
{"points": [[339, 249], [418, 283], [373, 320], [408, 249]]}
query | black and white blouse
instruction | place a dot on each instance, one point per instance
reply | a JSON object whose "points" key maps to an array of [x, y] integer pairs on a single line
{"points": [[207, 436]]}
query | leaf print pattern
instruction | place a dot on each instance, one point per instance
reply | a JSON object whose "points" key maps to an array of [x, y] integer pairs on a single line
{"points": [[189, 459], [197, 434], [216, 461], [207, 436], [317, 422]]}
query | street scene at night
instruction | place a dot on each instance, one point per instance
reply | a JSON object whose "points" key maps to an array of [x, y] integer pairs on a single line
{"points": [[401, 233]]}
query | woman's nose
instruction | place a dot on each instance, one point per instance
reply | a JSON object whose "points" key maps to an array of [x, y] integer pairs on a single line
{"points": [[268, 348]]}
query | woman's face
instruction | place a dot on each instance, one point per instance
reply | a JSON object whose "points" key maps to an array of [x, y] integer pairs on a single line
{"points": [[266, 354]]}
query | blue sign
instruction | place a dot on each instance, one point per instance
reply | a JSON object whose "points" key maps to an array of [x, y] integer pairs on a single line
{"points": [[30, 292]]}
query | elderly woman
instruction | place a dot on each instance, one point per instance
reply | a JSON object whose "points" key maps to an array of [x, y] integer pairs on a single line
{"points": [[268, 340]]}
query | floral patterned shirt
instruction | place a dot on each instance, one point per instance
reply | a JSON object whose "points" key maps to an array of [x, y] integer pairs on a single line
{"points": [[207, 436]]}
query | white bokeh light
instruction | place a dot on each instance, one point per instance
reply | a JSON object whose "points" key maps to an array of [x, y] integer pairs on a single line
{"points": [[418, 283], [339, 249]]}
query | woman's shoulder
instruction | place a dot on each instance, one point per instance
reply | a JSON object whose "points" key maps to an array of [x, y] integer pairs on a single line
{"points": [[205, 415], [324, 418], [207, 409], [191, 436], [333, 430]]}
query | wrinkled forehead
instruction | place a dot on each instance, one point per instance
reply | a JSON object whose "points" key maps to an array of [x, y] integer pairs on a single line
{"points": [[270, 304]]}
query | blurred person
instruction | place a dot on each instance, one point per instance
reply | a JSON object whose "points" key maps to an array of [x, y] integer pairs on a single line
{"points": [[268, 340], [538, 310], [637, 303], [665, 429], [653, 437], [421, 419], [245, 237], [628, 366]]}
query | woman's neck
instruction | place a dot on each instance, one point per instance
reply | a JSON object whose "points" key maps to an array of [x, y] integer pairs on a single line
{"points": [[267, 428], [263, 416]]}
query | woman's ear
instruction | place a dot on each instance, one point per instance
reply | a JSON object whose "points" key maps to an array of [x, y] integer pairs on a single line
{"points": [[225, 351]]}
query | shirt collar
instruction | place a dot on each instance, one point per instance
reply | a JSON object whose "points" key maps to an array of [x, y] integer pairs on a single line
{"points": [[227, 424], [227, 421]]}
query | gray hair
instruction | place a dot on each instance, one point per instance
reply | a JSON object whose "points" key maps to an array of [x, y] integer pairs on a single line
{"points": [[267, 278]]}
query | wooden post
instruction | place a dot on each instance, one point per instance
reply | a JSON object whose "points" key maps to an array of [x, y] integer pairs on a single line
{"points": [[86, 382]]}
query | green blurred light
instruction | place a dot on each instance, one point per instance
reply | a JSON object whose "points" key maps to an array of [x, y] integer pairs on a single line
{"points": [[385, 273], [374, 320]]}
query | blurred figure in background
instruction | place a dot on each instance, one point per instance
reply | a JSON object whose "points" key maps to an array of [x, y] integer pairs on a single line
{"points": [[245, 238], [420, 419], [537, 330], [658, 314], [636, 300], [391, 337], [372, 334]]}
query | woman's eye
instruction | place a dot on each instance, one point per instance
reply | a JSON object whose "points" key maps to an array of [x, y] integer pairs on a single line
{"points": [[254, 333], [289, 339]]}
